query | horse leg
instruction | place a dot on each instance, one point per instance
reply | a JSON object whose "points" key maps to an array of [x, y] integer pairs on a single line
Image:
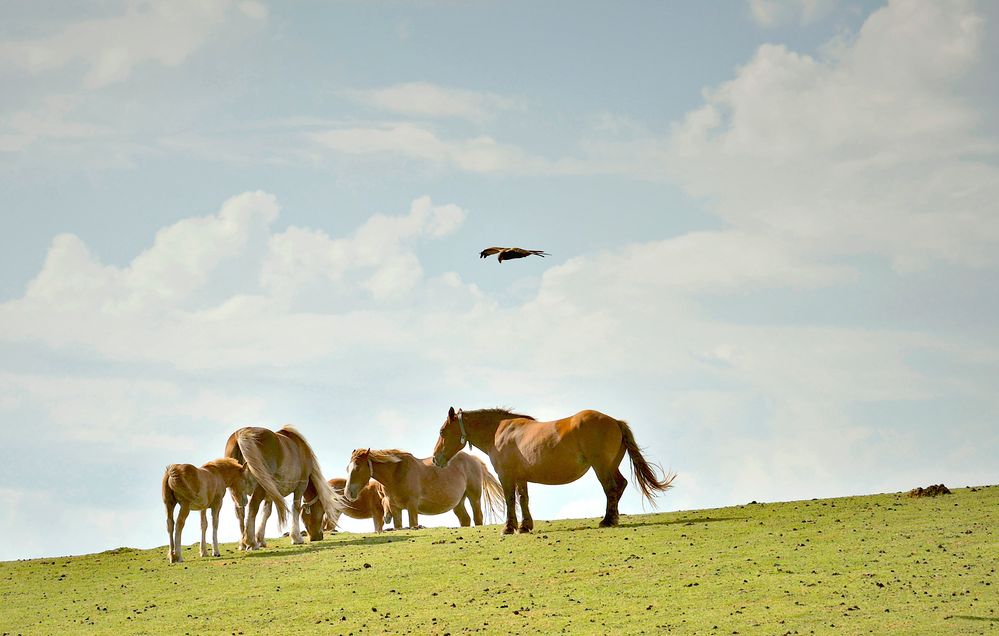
{"points": [[262, 528], [296, 510], [510, 494], [172, 554], [378, 516], [473, 493], [330, 521], [414, 518], [249, 538], [216, 509], [526, 522], [204, 530], [476, 504], [179, 530], [614, 484], [462, 514]]}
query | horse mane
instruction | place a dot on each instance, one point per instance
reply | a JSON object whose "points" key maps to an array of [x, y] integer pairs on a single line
{"points": [[382, 456], [507, 413], [223, 463]]}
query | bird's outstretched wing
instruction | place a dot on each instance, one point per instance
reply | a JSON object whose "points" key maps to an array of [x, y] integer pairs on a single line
{"points": [[519, 252], [489, 251]]}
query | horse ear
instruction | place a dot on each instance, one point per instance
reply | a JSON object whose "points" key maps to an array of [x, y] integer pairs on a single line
{"points": [[450, 413]]}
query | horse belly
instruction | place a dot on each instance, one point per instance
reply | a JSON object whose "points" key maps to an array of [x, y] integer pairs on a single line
{"points": [[547, 462], [554, 474]]}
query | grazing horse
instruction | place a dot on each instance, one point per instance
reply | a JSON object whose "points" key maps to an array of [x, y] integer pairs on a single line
{"points": [[523, 450], [420, 487], [290, 462], [371, 503], [201, 489]]}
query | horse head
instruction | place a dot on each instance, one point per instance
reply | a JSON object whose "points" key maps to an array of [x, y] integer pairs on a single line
{"points": [[452, 438], [312, 513], [359, 472]]}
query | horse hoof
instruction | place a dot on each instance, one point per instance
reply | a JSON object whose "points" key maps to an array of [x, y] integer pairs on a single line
{"points": [[509, 530], [525, 531], [216, 554]]}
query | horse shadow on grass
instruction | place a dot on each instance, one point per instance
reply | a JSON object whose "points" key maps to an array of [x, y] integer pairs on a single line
{"points": [[319, 546], [979, 618], [639, 524]]}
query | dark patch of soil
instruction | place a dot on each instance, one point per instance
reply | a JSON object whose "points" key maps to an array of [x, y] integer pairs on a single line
{"points": [[930, 491]]}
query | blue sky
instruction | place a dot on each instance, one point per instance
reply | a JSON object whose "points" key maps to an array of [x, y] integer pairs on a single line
{"points": [[773, 231]]}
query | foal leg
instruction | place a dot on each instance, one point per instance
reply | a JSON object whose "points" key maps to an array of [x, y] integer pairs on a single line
{"points": [[216, 509], [204, 530], [526, 523], [378, 516], [179, 530], [510, 494], [241, 515], [172, 550], [462, 514]]}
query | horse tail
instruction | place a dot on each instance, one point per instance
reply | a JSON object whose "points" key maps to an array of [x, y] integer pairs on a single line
{"points": [[644, 471], [332, 502], [169, 498], [254, 461], [492, 494]]}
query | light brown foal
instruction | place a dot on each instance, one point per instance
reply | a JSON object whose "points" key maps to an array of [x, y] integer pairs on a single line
{"points": [[199, 489], [523, 450], [419, 487], [371, 503]]}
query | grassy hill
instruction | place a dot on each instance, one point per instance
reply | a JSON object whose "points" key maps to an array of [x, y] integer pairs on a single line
{"points": [[876, 564]]}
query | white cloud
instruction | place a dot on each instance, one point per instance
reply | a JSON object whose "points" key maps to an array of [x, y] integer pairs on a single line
{"points": [[771, 13], [165, 32], [51, 120], [481, 154], [871, 151], [422, 99]]}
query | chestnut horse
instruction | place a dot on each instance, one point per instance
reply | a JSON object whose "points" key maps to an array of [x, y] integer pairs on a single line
{"points": [[420, 487], [202, 489], [289, 460], [371, 503], [523, 450]]}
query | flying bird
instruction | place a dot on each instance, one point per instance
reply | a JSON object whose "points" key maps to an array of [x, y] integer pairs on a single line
{"points": [[508, 253]]}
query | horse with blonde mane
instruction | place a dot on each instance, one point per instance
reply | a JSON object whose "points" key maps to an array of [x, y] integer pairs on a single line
{"points": [[286, 460], [371, 503], [419, 487], [201, 489], [523, 450]]}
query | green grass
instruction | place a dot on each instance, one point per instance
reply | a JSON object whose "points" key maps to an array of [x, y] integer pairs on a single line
{"points": [[877, 564]]}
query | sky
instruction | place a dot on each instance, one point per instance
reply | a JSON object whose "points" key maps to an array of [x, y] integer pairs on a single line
{"points": [[773, 228]]}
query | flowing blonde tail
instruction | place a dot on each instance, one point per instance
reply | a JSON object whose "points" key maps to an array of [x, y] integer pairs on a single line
{"points": [[258, 468], [327, 496], [492, 494], [644, 471]]}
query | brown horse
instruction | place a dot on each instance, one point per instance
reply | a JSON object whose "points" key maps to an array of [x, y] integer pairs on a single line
{"points": [[201, 489], [371, 503], [523, 450], [288, 459], [419, 487]]}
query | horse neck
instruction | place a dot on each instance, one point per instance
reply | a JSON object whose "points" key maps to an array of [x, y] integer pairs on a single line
{"points": [[385, 472], [480, 429], [227, 474]]}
